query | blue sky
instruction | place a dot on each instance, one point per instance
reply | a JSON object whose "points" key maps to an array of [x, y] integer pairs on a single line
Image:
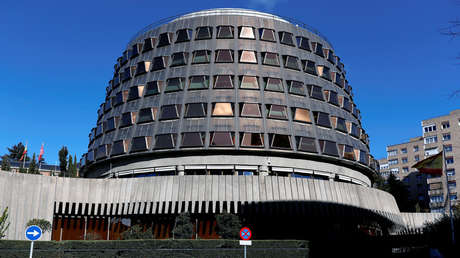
{"points": [[57, 57]]}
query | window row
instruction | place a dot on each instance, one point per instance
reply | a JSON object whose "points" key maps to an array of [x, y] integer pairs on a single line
{"points": [[227, 139]]}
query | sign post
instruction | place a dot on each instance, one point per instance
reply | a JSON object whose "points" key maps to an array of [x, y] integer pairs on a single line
{"points": [[33, 233], [245, 235]]}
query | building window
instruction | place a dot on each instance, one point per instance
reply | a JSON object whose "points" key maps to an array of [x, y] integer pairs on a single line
{"points": [[149, 43], [169, 112], [445, 125], [449, 160], [222, 109], [404, 150], [135, 92], [178, 59], [225, 32], [252, 140], [404, 160], [416, 158], [393, 162], [119, 147], [222, 139], [452, 185], [405, 170], [436, 198], [273, 84], [447, 148], [195, 110], [324, 72], [318, 48], [141, 143], [267, 35], [353, 129], [142, 67], [290, 62], [309, 67], [453, 197], [392, 152], [431, 151], [110, 124], [249, 82], [446, 137], [201, 57], [296, 88], [246, 56], [306, 144], [328, 148], [174, 84], [102, 151], [250, 110], [339, 80], [147, 115], [224, 56], [280, 141], [276, 112], [165, 141], [183, 35], [415, 148], [192, 139], [223, 82], [164, 39], [270, 59], [450, 172], [198, 82], [347, 152], [430, 139], [301, 115], [246, 32], [127, 119], [303, 43], [394, 170], [203, 33], [322, 119], [286, 38], [315, 92], [429, 128], [330, 56], [331, 97], [159, 63], [339, 124]]}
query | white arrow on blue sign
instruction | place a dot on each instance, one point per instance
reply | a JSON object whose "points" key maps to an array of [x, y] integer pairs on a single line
{"points": [[33, 233]]}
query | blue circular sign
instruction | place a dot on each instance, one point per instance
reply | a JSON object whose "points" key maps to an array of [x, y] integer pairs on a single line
{"points": [[33, 233]]}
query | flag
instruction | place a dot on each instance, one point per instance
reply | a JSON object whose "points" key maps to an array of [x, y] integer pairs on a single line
{"points": [[24, 153], [41, 154], [431, 165]]}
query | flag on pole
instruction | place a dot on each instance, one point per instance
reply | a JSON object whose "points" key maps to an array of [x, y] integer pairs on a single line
{"points": [[41, 154], [431, 165], [24, 153]]}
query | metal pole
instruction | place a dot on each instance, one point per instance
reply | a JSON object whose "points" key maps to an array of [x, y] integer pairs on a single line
{"points": [[448, 195], [31, 248], [244, 251]]}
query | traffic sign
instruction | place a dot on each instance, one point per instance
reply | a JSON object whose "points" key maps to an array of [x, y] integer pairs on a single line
{"points": [[245, 233], [33, 233]]}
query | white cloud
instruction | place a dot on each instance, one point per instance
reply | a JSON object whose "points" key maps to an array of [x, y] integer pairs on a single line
{"points": [[264, 4]]}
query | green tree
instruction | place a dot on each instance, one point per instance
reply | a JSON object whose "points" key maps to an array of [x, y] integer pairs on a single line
{"points": [[75, 165], [400, 192], [4, 224], [22, 170], [228, 225], [42, 223], [137, 232], [183, 227], [33, 169], [16, 151], [63, 152], [69, 167], [6, 165]]}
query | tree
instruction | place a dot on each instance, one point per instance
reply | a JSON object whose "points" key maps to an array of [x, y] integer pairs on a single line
{"points": [[63, 152], [6, 165], [137, 232], [42, 223], [16, 152], [228, 225], [183, 227], [75, 165], [400, 192], [33, 166], [69, 167], [4, 224]]}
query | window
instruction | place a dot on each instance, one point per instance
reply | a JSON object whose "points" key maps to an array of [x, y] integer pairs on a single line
{"points": [[164, 39], [280, 141], [346, 104], [392, 152], [149, 43], [119, 147], [142, 67], [330, 56], [393, 162], [165, 141], [303, 43], [445, 125], [447, 148], [135, 92], [384, 166], [252, 140], [347, 152], [246, 33], [195, 110], [431, 139], [324, 72], [192, 139], [450, 172], [339, 80], [183, 35], [225, 32], [110, 124], [429, 128], [453, 197], [270, 59], [108, 105], [415, 148], [290, 62], [449, 160], [246, 56], [127, 119], [140, 143], [222, 109], [363, 157], [322, 119], [296, 87], [331, 97], [302, 115], [306, 144], [178, 59], [431, 151], [153, 88], [224, 56], [159, 63], [203, 33], [339, 124], [198, 82], [174, 84], [250, 110], [276, 112], [436, 198], [267, 35], [223, 82], [318, 48], [446, 137], [102, 151], [169, 112], [249, 82], [404, 160], [404, 150], [315, 92], [309, 67], [286, 38], [416, 158], [147, 115], [452, 185], [328, 148], [222, 139], [128, 73], [273, 84], [201, 57], [394, 170]]}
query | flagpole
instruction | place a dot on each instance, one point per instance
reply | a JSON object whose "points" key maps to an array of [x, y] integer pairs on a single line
{"points": [[24, 160], [448, 195]]}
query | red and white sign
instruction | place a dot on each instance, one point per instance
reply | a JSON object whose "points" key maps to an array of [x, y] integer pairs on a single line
{"points": [[245, 233]]}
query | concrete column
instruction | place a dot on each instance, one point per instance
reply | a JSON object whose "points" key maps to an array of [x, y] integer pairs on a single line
{"points": [[180, 170], [263, 170]]}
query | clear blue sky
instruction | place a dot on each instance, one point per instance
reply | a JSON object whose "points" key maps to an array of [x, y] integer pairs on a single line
{"points": [[57, 57]]}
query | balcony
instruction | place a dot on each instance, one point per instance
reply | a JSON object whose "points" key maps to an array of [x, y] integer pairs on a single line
{"points": [[436, 192]]}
